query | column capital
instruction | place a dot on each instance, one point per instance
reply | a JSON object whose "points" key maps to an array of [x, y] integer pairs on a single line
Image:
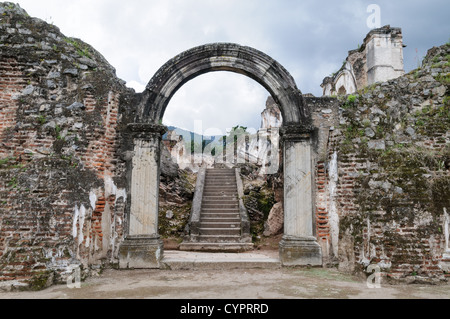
{"points": [[143, 130], [296, 132]]}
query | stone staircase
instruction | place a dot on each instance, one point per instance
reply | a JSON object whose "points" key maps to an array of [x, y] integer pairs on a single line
{"points": [[220, 223]]}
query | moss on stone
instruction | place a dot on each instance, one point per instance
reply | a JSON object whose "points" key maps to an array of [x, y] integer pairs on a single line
{"points": [[174, 227], [259, 202], [41, 280]]}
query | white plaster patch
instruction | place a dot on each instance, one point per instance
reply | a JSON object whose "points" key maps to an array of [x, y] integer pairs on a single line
{"points": [[334, 218], [111, 189], [75, 220], [93, 199], [81, 224], [79, 217], [446, 230], [423, 219]]}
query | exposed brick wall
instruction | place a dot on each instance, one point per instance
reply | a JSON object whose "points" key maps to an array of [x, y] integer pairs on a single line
{"points": [[100, 153], [62, 193], [12, 82], [322, 223]]}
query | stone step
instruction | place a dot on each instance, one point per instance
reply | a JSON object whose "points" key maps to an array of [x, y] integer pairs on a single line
{"points": [[225, 204], [215, 261], [220, 201], [220, 198], [220, 177], [219, 213], [220, 170], [215, 224], [221, 174], [220, 231], [219, 191], [219, 205], [220, 186], [222, 193], [219, 210], [217, 217], [220, 183], [221, 219], [219, 238]]}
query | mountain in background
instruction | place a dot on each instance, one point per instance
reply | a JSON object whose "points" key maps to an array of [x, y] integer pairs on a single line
{"points": [[189, 136]]}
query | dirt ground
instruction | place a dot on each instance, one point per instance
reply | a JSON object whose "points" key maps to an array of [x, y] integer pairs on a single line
{"points": [[232, 284], [222, 284], [281, 283]]}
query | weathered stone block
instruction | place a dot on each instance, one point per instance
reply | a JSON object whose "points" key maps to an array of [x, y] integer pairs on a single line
{"points": [[304, 251], [141, 253]]}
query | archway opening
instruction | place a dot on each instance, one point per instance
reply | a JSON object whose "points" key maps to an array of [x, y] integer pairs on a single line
{"points": [[204, 111]]}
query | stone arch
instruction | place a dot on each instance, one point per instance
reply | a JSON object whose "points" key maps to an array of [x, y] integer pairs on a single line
{"points": [[142, 247], [223, 57]]}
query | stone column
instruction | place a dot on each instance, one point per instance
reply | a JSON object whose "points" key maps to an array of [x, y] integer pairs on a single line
{"points": [[143, 247], [299, 246]]}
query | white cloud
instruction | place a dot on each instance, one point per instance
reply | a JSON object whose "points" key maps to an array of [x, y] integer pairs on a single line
{"points": [[137, 86], [219, 100]]}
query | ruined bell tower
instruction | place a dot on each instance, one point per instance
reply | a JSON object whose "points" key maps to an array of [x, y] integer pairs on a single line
{"points": [[384, 51], [378, 59]]}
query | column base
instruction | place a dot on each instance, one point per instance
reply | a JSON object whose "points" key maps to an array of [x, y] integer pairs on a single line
{"points": [[300, 251], [141, 253]]}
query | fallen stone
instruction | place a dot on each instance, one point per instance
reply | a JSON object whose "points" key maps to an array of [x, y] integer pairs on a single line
{"points": [[275, 221]]}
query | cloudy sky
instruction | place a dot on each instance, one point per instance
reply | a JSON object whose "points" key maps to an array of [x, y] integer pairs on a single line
{"points": [[310, 39]]}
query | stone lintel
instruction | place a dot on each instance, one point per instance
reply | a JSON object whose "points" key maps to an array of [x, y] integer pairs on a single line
{"points": [[300, 251], [141, 252]]}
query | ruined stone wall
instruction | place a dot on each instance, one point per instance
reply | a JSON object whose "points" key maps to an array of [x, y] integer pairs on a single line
{"points": [[383, 182], [62, 183]]}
